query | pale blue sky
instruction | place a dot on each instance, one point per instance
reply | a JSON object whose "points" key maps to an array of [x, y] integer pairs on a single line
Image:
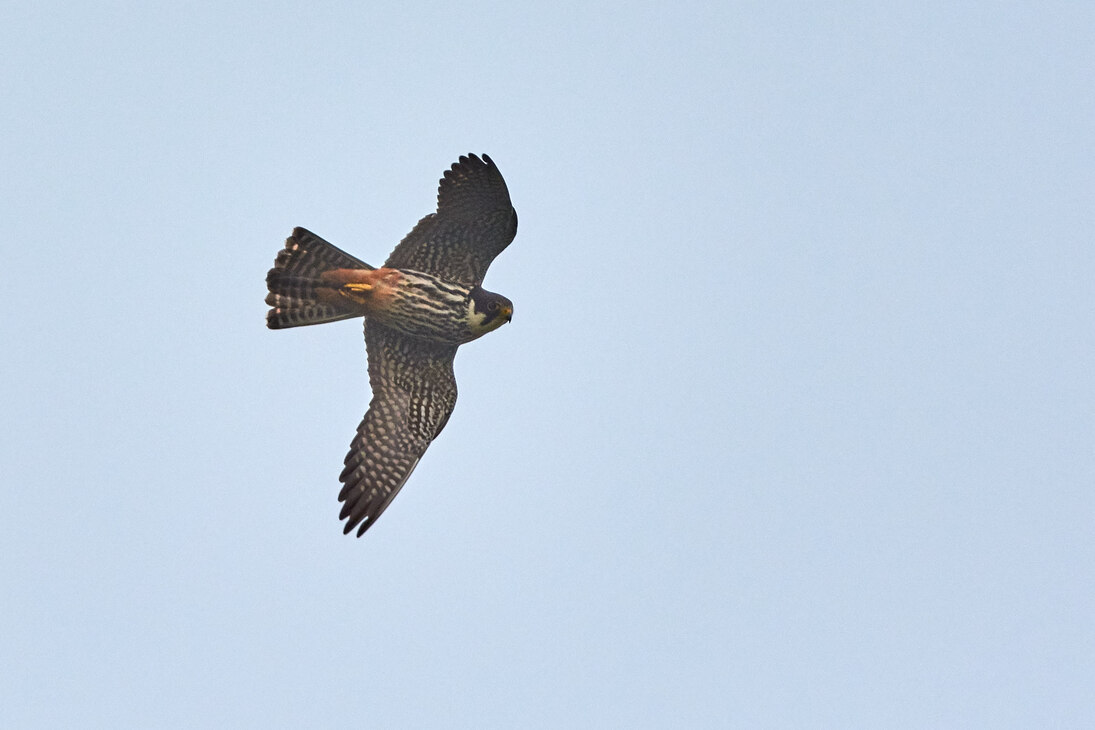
{"points": [[793, 426]]}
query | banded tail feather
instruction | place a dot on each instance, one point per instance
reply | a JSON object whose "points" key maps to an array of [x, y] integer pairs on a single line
{"points": [[297, 278]]}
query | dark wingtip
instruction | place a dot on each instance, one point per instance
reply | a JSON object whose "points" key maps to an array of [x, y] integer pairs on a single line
{"points": [[352, 523], [472, 159]]}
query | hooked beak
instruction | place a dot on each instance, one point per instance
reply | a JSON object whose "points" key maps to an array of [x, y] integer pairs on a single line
{"points": [[507, 313]]}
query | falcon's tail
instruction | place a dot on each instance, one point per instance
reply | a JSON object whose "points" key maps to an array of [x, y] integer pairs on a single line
{"points": [[296, 276]]}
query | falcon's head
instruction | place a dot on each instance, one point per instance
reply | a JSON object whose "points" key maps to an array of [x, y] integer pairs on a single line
{"points": [[487, 311]]}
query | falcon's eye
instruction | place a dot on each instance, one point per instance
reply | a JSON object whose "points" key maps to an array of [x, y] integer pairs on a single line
{"points": [[492, 307]]}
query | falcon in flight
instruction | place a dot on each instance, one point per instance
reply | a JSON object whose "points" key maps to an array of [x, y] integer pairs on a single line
{"points": [[419, 307]]}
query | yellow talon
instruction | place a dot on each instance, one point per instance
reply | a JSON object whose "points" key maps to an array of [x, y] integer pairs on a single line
{"points": [[356, 291]]}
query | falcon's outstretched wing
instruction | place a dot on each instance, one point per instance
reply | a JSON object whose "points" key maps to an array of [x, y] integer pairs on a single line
{"points": [[414, 392], [474, 222]]}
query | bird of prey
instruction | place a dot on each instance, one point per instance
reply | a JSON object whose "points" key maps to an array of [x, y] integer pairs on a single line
{"points": [[419, 308]]}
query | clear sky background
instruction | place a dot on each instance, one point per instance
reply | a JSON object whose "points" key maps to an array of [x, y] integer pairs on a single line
{"points": [[794, 425]]}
